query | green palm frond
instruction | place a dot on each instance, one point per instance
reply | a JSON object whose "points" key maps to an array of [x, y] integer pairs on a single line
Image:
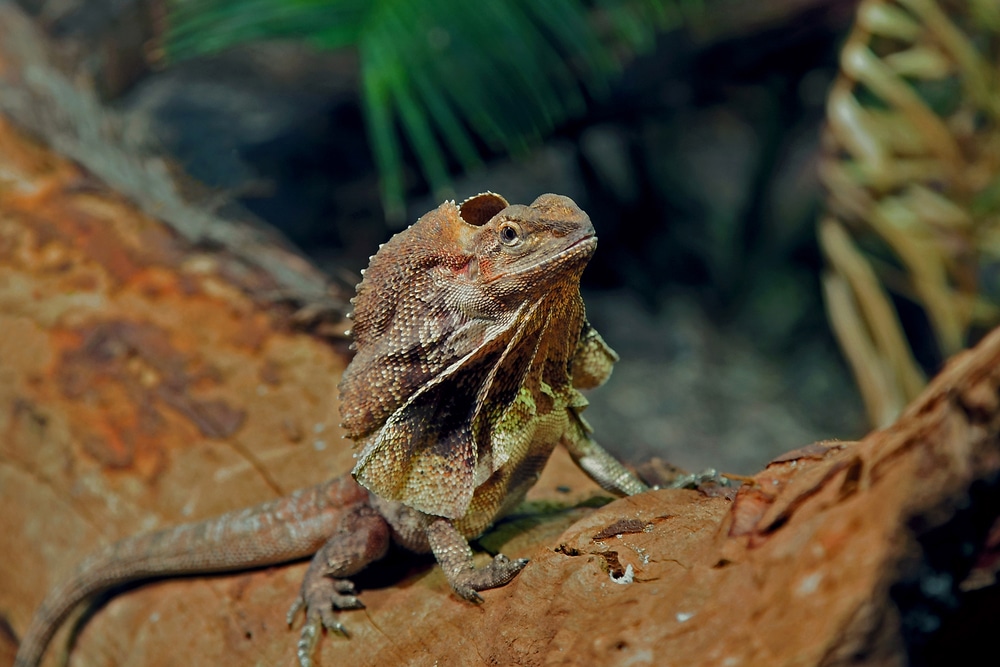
{"points": [[451, 75]]}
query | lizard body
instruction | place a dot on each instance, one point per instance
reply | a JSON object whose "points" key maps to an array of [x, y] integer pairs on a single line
{"points": [[471, 345]]}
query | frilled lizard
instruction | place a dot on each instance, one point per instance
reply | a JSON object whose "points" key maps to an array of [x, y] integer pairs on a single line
{"points": [[471, 345]]}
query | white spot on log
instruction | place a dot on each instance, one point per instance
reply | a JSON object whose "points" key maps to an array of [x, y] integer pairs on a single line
{"points": [[809, 584], [627, 577]]}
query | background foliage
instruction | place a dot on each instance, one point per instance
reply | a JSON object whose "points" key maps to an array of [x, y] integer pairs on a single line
{"points": [[912, 167], [457, 78]]}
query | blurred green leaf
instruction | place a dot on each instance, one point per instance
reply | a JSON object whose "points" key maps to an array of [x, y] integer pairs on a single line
{"points": [[445, 74]]}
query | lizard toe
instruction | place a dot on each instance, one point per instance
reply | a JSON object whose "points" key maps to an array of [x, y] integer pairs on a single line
{"points": [[335, 594], [326, 594], [331, 623], [344, 586], [297, 605], [307, 641], [468, 594]]}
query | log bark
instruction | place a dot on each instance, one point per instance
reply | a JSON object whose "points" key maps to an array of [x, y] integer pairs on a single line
{"points": [[147, 378]]}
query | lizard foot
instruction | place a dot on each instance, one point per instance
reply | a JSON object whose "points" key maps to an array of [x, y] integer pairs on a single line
{"points": [[695, 480], [320, 597], [500, 571], [455, 557], [362, 536], [323, 596]]}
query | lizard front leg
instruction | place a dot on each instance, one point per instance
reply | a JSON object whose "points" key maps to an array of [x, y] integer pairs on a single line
{"points": [[361, 538], [603, 468], [612, 476], [454, 555]]}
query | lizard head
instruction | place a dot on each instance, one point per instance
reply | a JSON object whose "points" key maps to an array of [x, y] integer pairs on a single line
{"points": [[521, 248], [453, 287]]}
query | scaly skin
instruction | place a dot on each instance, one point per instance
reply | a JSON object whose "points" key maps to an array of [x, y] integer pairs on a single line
{"points": [[472, 345], [286, 529]]}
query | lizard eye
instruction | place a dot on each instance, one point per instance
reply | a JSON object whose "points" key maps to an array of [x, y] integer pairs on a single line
{"points": [[510, 233]]}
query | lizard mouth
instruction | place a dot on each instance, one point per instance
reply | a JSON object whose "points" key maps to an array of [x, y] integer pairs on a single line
{"points": [[585, 246], [590, 241]]}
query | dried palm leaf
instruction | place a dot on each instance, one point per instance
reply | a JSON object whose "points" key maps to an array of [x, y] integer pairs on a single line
{"points": [[912, 167]]}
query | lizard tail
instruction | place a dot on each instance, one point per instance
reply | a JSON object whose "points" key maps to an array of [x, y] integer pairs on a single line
{"points": [[282, 530]]}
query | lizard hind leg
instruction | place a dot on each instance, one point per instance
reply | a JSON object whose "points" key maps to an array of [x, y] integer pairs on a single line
{"points": [[453, 554], [361, 538]]}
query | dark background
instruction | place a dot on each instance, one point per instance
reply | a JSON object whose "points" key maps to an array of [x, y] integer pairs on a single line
{"points": [[698, 171]]}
